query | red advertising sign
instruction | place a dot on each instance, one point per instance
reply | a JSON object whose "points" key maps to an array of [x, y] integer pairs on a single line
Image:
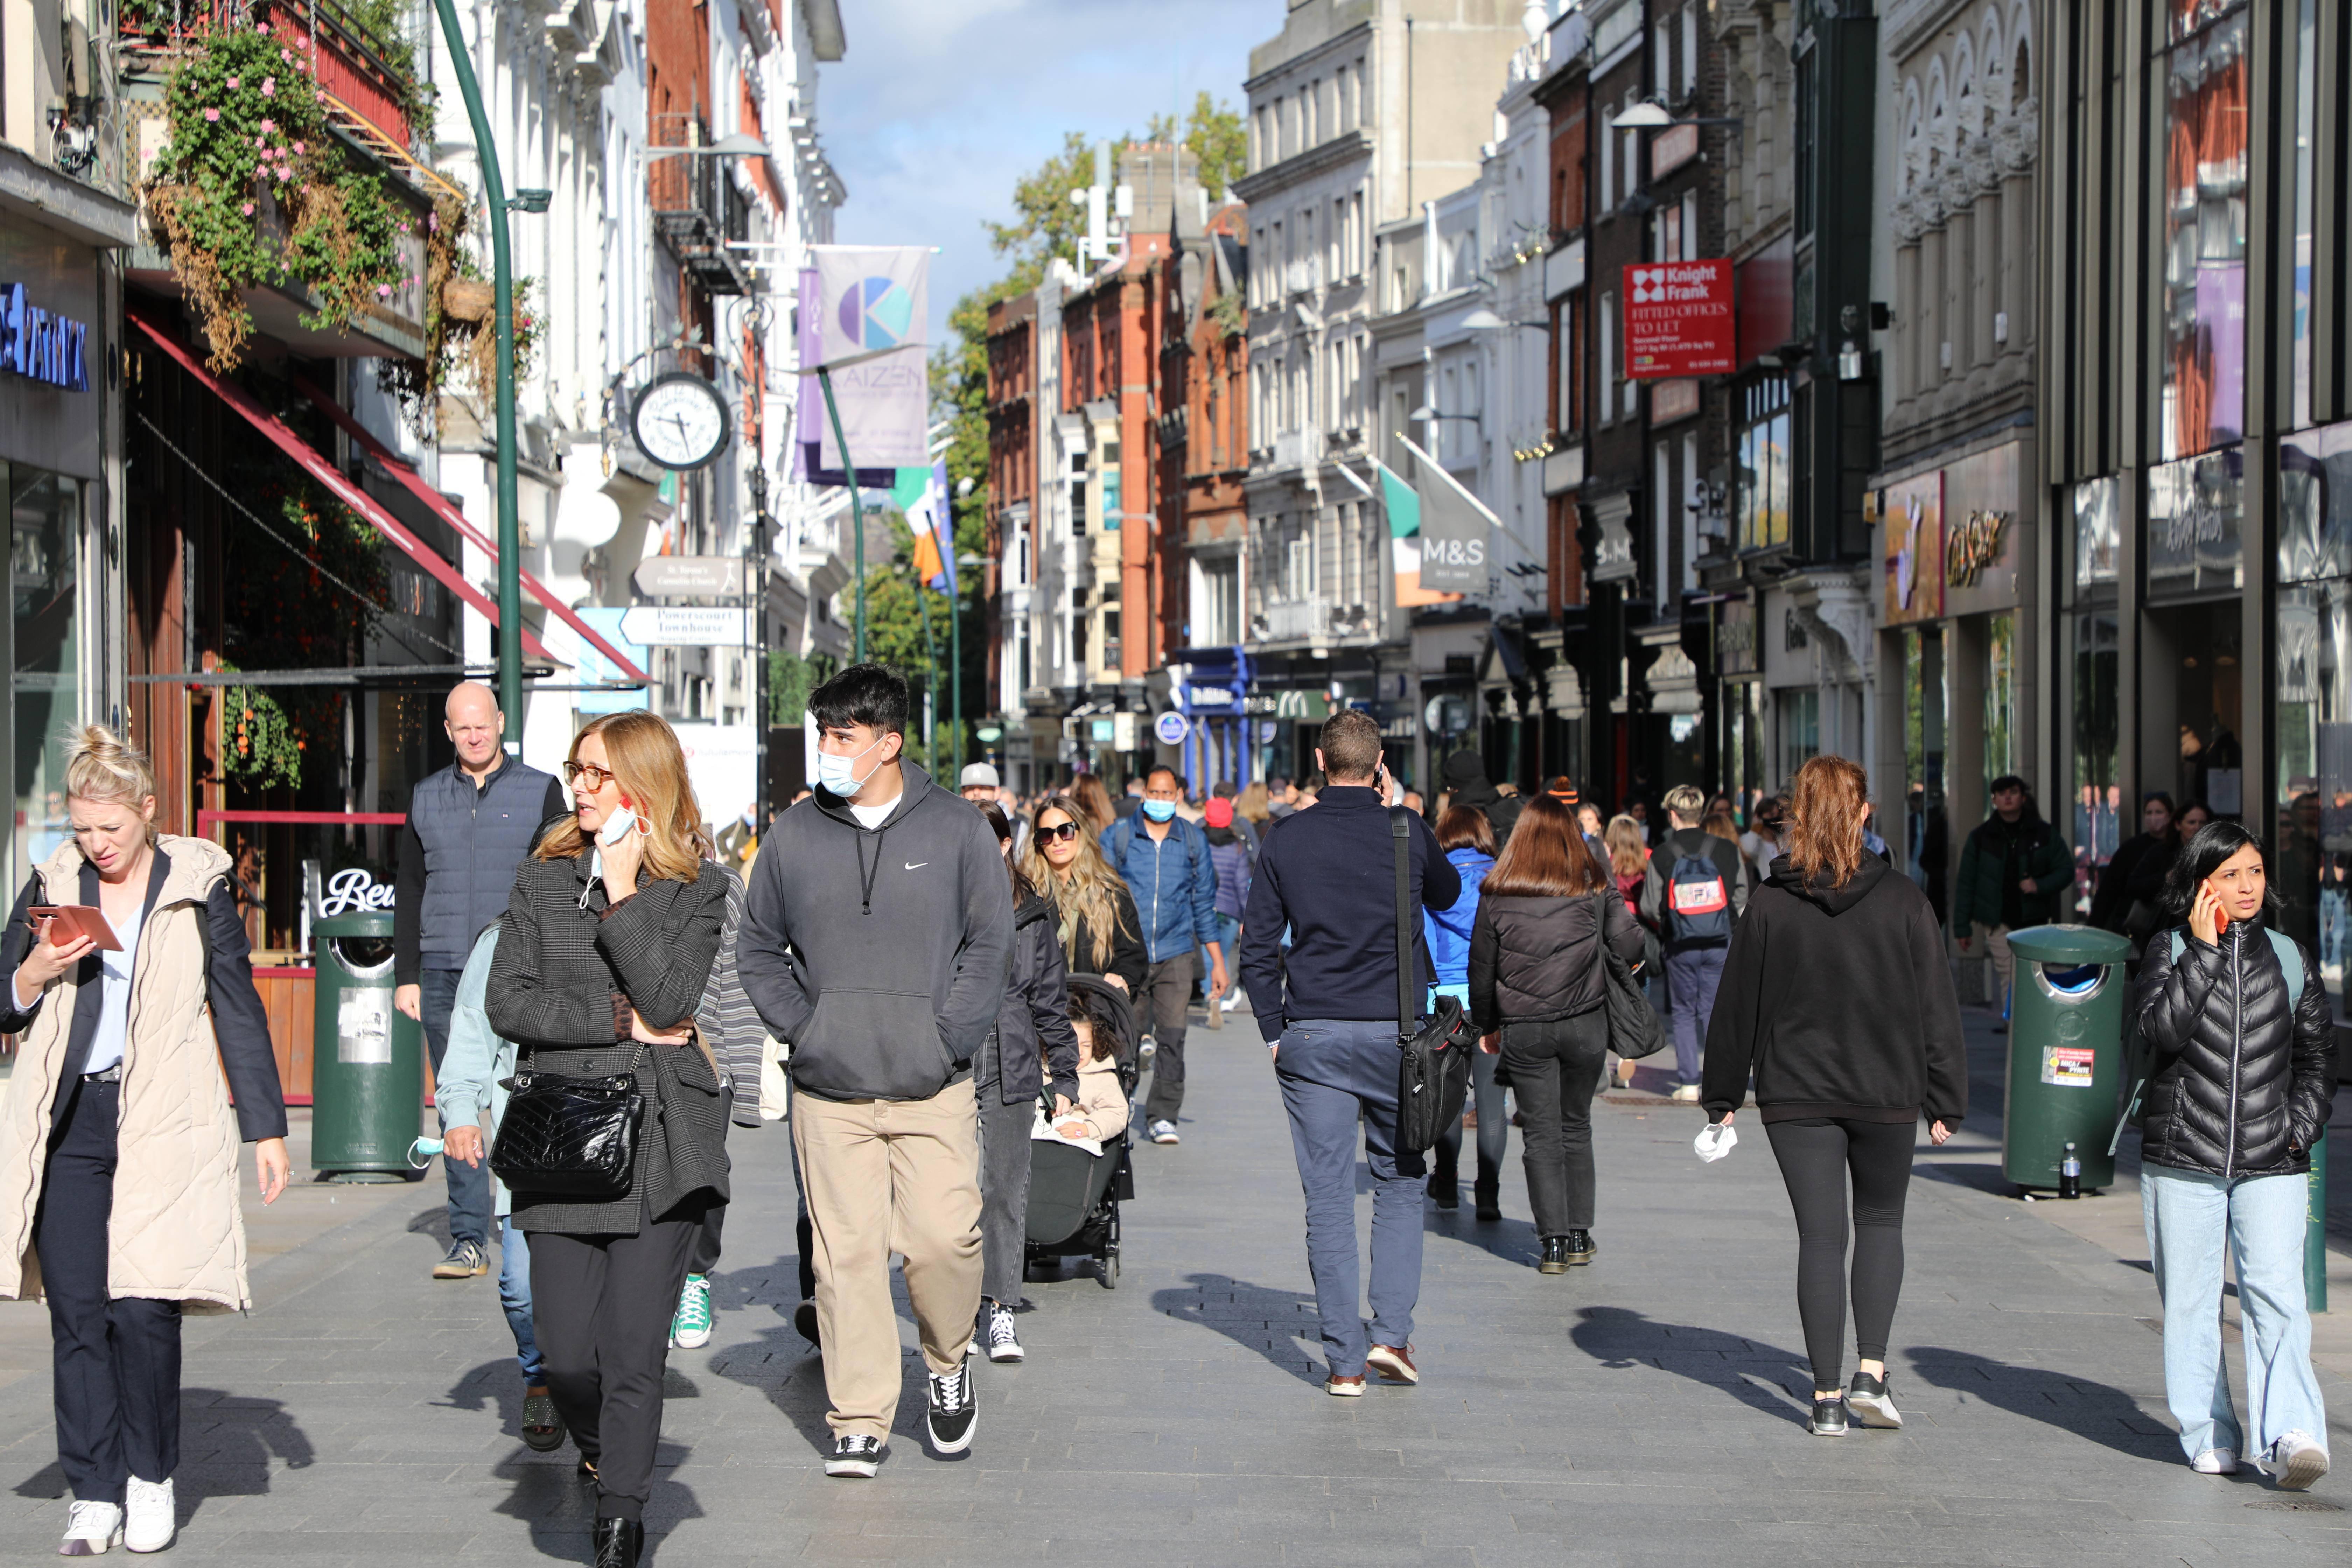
{"points": [[1679, 320]]}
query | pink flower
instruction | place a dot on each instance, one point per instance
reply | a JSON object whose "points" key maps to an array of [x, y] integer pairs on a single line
{"points": [[270, 87], [232, 84], [299, 150], [269, 126], [212, 114], [384, 290], [246, 209], [286, 54]]}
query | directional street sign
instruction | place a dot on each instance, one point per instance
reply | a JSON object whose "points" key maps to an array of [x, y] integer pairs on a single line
{"points": [[687, 626], [689, 576]]}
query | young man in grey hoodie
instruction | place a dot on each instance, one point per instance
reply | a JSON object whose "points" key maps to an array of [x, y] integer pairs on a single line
{"points": [[877, 943]]}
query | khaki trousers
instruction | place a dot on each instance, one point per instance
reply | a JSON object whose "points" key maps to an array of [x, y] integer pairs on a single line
{"points": [[885, 1176], [2004, 965]]}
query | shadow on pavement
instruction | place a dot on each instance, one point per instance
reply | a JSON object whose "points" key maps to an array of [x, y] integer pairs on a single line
{"points": [[1512, 1240], [1618, 1336], [2106, 1416], [227, 1444], [1269, 1322], [787, 1369]]}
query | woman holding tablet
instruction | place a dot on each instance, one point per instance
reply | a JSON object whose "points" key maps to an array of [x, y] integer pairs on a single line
{"points": [[118, 1145]]}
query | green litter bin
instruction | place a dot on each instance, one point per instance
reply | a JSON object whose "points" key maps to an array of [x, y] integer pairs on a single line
{"points": [[2065, 1054], [367, 1074]]}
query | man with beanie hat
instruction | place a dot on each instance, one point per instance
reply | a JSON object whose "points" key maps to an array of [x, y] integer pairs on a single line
{"points": [[1465, 776]]}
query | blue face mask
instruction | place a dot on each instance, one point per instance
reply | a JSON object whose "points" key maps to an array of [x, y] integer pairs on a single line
{"points": [[1160, 810], [839, 775]]}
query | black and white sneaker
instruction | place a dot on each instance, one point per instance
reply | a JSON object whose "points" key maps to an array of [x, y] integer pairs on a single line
{"points": [[996, 1328], [854, 1455], [1829, 1418], [1871, 1404], [954, 1412]]}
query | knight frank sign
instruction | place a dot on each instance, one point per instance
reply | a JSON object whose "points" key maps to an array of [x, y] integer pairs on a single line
{"points": [[1679, 320]]}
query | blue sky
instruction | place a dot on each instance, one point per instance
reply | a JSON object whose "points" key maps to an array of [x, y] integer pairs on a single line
{"points": [[940, 106]]}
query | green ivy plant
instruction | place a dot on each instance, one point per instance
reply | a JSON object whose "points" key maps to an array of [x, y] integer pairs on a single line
{"points": [[260, 746], [252, 188]]}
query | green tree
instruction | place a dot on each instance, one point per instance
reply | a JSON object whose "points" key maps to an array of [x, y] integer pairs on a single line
{"points": [[1218, 141]]}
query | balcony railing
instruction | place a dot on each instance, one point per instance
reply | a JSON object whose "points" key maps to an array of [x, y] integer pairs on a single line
{"points": [[1282, 619], [696, 208], [369, 76]]}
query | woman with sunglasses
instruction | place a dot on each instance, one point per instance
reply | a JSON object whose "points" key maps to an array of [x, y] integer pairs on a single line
{"points": [[610, 938], [1100, 930]]}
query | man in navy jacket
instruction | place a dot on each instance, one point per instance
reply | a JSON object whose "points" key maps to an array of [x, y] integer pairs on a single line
{"points": [[1326, 1006]]}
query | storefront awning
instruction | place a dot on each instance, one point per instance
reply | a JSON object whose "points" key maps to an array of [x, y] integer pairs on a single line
{"points": [[286, 440], [439, 504]]}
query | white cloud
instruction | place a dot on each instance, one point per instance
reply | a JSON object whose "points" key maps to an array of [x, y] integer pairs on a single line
{"points": [[939, 105]]}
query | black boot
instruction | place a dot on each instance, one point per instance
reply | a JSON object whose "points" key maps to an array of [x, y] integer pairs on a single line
{"points": [[619, 1542], [1554, 1256], [1445, 1187], [1488, 1197], [1579, 1247]]}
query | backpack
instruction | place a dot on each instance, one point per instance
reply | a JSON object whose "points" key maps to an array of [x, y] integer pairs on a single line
{"points": [[1698, 904], [2139, 1057]]}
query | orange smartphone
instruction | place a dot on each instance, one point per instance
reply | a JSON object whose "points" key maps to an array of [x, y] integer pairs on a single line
{"points": [[2220, 910], [67, 923]]}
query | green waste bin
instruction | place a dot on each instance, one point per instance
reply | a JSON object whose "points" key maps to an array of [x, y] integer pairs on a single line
{"points": [[2065, 1054], [367, 1074]]}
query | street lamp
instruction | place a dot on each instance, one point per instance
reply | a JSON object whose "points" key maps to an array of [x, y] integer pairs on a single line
{"points": [[738, 145], [1482, 320], [1426, 412], [1652, 116]]}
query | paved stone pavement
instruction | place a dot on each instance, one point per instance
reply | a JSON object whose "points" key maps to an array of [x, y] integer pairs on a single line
{"points": [[1646, 1410]]}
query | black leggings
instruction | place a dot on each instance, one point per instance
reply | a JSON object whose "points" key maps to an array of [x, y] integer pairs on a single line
{"points": [[1815, 1155]]}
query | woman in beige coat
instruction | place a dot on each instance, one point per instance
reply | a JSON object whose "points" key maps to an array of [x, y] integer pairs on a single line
{"points": [[118, 1145]]}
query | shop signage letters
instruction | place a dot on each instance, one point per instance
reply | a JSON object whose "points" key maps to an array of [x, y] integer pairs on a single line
{"points": [[41, 345], [1972, 546], [1679, 320]]}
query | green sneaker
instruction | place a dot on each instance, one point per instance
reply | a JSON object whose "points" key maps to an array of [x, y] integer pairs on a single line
{"points": [[691, 1329]]}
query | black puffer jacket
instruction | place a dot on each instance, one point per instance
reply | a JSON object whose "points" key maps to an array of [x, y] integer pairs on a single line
{"points": [[2243, 1073], [1534, 958], [1034, 1020]]}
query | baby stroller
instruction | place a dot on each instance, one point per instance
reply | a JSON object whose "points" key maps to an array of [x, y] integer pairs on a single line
{"points": [[1074, 1196]]}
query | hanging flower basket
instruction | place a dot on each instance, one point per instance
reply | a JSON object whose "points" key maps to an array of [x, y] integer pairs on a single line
{"points": [[469, 299]]}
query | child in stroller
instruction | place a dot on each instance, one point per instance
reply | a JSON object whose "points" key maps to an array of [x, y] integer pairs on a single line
{"points": [[1074, 1193]]}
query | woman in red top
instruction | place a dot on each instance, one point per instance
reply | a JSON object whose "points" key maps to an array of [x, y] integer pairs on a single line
{"points": [[1629, 867]]}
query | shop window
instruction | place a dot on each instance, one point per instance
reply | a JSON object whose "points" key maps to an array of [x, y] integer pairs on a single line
{"points": [[2312, 868], [2097, 783], [2096, 534], [2307, 134], [1801, 728], [1927, 826], [2001, 751], [44, 550], [1763, 458], [2204, 217]]}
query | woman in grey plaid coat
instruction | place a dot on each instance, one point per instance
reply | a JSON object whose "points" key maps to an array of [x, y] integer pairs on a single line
{"points": [[607, 948]]}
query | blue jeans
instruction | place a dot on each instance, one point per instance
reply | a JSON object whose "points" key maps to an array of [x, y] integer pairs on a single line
{"points": [[1335, 1073], [2191, 1217], [1693, 977], [514, 1296], [469, 1186], [1229, 942]]}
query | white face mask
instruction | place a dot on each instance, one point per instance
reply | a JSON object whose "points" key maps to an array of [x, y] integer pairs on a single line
{"points": [[838, 775]]}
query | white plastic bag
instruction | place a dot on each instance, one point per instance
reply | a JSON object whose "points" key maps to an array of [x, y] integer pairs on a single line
{"points": [[776, 1084], [1720, 1138]]}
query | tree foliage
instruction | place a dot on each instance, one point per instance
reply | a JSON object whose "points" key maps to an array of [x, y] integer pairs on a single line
{"points": [[1214, 133]]}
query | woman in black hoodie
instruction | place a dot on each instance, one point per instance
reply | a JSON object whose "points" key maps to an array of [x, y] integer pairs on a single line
{"points": [[1009, 1076], [1841, 1084]]}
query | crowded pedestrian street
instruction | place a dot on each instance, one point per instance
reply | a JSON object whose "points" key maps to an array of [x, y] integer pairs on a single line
{"points": [[1646, 1409]]}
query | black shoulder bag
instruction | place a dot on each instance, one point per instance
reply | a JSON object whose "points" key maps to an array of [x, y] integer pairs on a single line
{"points": [[572, 1138], [1635, 1029], [1434, 1062]]}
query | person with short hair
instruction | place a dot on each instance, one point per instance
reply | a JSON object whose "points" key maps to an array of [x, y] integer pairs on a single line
{"points": [[1840, 1088], [118, 1139], [1326, 1006], [1695, 890], [1465, 780], [1165, 862], [2013, 870], [877, 939], [469, 826]]}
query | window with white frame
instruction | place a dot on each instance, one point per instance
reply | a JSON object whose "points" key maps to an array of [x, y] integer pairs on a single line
{"points": [[1608, 359], [1690, 251], [1608, 165], [1690, 49]]}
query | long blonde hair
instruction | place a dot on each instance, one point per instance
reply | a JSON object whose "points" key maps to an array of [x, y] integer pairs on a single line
{"points": [[1088, 801], [1090, 891], [650, 767], [1826, 808]]}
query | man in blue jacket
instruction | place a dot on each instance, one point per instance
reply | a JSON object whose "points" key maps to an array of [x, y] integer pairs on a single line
{"points": [[1165, 863], [1326, 1006]]}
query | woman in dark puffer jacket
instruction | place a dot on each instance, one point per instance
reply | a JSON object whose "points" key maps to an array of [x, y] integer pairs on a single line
{"points": [[2239, 1091], [1537, 992], [1032, 1027]]}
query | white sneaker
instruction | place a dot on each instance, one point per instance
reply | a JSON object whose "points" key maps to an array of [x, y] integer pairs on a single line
{"points": [[91, 1528], [1686, 1094], [1232, 1002], [1003, 1337], [153, 1516], [2215, 1462], [2297, 1461], [1164, 1132]]}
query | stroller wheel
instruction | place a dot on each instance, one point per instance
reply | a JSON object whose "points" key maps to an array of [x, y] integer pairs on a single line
{"points": [[1107, 1270]]}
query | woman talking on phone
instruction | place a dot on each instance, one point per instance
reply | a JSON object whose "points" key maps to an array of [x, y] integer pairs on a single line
{"points": [[118, 1145], [608, 943], [2239, 1090]]}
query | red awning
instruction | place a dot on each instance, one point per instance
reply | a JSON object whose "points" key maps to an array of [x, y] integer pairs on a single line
{"points": [[286, 440], [399, 469]]}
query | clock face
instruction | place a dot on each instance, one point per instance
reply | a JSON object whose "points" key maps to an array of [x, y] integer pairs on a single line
{"points": [[680, 421]]}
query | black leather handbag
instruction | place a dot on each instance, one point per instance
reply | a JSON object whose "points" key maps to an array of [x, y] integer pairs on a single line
{"points": [[572, 1138], [1434, 1061], [1636, 1030]]}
